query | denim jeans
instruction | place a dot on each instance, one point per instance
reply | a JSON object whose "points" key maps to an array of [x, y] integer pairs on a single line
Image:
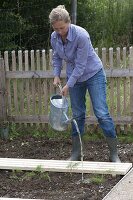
{"points": [[96, 87]]}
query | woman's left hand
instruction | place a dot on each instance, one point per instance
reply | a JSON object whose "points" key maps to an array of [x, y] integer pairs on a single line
{"points": [[64, 91]]}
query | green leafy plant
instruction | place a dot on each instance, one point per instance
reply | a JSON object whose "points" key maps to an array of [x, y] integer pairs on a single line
{"points": [[98, 179], [14, 133], [29, 175], [43, 174]]}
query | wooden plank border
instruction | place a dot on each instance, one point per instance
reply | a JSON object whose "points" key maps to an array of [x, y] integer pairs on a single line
{"points": [[65, 166]]}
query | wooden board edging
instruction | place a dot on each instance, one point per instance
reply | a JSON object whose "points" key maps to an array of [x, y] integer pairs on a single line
{"points": [[65, 166]]}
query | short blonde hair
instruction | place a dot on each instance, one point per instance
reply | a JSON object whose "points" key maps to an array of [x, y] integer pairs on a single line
{"points": [[59, 14]]}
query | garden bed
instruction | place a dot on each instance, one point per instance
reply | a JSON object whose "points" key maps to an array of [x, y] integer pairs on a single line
{"points": [[53, 185]]}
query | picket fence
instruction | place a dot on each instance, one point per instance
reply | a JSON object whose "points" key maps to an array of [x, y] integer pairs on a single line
{"points": [[26, 84]]}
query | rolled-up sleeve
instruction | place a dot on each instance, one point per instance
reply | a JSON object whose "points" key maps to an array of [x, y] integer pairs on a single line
{"points": [[80, 61]]}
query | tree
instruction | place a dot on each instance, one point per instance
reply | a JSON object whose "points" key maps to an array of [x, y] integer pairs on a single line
{"points": [[25, 25]]}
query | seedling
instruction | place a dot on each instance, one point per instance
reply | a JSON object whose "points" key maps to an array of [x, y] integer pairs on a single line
{"points": [[42, 173], [98, 179]]}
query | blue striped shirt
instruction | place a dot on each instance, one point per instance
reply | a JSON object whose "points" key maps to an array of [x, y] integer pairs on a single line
{"points": [[82, 62]]}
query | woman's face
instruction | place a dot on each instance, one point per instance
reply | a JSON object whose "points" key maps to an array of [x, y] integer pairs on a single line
{"points": [[61, 27]]}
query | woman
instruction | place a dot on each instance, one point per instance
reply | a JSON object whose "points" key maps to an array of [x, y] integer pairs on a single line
{"points": [[84, 71]]}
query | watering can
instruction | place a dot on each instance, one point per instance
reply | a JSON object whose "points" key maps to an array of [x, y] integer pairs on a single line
{"points": [[58, 112], [58, 117]]}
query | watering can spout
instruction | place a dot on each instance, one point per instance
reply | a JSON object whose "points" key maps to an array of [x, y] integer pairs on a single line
{"points": [[67, 121]]}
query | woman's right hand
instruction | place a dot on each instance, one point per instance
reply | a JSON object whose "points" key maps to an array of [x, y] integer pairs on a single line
{"points": [[57, 81]]}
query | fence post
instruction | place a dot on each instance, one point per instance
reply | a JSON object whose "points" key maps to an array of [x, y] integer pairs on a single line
{"points": [[3, 106], [131, 83]]}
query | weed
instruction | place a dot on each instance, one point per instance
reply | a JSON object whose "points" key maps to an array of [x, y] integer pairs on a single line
{"points": [[42, 173], [29, 175], [97, 179], [14, 133], [45, 175], [39, 169]]}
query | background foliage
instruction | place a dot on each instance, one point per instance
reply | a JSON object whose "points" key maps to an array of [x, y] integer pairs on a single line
{"points": [[24, 24]]}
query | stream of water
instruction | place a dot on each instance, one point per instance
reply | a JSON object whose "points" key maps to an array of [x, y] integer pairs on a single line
{"points": [[76, 125]]}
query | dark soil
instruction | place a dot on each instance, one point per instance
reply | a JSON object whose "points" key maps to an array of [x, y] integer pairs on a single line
{"points": [[53, 185]]}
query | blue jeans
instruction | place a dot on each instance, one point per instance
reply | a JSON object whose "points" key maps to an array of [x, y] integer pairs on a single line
{"points": [[96, 87]]}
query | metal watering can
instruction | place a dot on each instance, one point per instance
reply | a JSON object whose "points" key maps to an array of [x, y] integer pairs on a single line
{"points": [[58, 112]]}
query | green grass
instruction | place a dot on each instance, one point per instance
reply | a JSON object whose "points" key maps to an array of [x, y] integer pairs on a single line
{"points": [[39, 131], [126, 138]]}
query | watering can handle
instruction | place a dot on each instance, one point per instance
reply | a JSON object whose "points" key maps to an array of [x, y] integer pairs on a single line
{"points": [[60, 87]]}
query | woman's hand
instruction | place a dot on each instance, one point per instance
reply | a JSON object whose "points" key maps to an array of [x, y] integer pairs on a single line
{"points": [[57, 81], [64, 91]]}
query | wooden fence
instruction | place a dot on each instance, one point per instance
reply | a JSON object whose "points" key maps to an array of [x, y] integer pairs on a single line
{"points": [[26, 84]]}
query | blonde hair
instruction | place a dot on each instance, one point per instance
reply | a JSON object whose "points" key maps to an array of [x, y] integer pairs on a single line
{"points": [[59, 14]]}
